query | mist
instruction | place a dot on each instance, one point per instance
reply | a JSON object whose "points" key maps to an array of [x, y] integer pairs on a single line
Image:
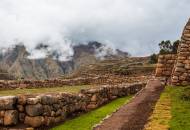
{"points": [[130, 25]]}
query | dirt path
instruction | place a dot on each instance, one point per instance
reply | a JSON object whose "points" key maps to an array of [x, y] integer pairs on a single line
{"points": [[134, 115]]}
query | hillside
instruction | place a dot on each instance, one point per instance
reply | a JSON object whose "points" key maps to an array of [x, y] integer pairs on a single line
{"points": [[116, 70], [16, 63]]}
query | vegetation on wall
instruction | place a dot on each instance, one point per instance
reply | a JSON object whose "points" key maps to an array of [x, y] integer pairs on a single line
{"points": [[153, 59], [166, 47]]}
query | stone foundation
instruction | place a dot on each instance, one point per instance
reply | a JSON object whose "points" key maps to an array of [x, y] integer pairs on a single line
{"points": [[165, 65], [45, 110]]}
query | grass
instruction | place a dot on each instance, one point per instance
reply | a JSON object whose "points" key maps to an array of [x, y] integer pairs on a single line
{"points": [[161, 116], [172, 111], [88, 120], [71, 89], [180, 109]]}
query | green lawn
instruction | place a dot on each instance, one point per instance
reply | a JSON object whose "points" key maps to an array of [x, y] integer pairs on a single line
{"points": [[88, 120], [172, 111], [71, 89], [180, 109]]}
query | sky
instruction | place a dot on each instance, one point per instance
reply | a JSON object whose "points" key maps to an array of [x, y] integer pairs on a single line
{"points": [[136, 26]]}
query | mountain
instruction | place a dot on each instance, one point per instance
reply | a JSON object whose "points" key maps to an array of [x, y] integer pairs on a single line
{"points": [[15, 61]]}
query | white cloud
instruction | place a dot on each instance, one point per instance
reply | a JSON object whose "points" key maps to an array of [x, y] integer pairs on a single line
{"points": [[132, 25]]}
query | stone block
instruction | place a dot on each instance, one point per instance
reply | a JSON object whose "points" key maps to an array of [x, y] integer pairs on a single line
{"points": [[22, 100], [49, 100], [33, 101], [22, 117], [179, 69], [34, 110], [20, 108], [11, 117], [34, 121], [7, 102]]}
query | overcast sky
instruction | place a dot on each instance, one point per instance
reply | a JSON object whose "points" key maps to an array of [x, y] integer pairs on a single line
{"points": [[136, 26]]}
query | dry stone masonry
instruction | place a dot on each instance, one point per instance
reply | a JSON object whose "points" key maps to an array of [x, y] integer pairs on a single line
{"points": [[48, 109], [177, 68], [98, 80], [181, 73], [165, 65]]}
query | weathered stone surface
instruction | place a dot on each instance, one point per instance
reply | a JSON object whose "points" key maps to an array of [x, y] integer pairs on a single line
{"points": [[2, 113], [1, 121], [48, 100], [29, 128], [179, 65], [7, 102], [22, 117], [47, 110], [165, 65], [34, 121], [33, 101], [180, 69], [22, 99], [92, 106], [94, 98], [20, 108], [34, 110], [57, 107], [11, 117], [49, 120]]}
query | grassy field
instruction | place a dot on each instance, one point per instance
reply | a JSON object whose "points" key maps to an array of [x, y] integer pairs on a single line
{"points": [[172, 110], [180, 109], [162, 113], [88, 120], [71, 89]]}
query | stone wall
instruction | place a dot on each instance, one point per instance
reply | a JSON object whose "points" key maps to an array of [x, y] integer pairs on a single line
{"points": [[181, 73], [165, 65], [46, 110], [103, 80], [48, 83]]}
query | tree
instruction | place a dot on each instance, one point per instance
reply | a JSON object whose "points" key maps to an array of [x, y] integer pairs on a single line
{"points": [[167, 47], [175, 46], [153, 59]]}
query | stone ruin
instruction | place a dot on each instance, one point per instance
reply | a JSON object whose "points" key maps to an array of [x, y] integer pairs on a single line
{"points": [[181, 71], [49, 109], [176, 68]]}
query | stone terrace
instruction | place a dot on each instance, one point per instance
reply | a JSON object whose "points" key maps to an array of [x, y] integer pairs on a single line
{"points": [[49, 109]]}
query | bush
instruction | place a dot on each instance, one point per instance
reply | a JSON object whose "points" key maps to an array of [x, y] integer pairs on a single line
{"points": [[153, 59], [167, 47]]}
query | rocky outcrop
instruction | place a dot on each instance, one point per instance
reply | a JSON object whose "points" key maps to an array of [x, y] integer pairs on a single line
{"points": [[45, 110]]}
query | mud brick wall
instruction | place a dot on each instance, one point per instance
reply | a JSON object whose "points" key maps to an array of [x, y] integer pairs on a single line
{"points": [[48, 109], [165, 65], [181, 74]]}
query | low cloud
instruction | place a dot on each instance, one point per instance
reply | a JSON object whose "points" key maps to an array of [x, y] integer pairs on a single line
{"points": [[130, 25]]}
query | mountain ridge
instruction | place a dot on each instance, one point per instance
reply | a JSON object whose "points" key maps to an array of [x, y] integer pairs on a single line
{"points": [[16, 63]]}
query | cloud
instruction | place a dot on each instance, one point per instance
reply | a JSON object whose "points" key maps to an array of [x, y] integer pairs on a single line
{"points": [[136, 26]]}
